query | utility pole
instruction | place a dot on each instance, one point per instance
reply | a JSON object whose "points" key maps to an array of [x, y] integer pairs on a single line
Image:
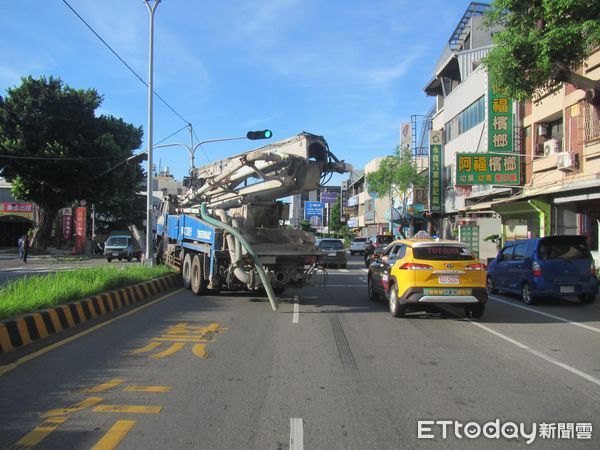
{"points": [[149, 191]]}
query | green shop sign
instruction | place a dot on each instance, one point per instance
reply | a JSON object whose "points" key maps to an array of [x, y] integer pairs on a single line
{"points": [[435, 172], [487, 168], [500, 122]]}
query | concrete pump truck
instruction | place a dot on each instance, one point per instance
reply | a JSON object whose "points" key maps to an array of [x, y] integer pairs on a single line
{"points": [[225, 232]]}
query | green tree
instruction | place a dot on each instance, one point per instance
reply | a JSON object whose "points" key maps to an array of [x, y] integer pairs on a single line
{"points": [[54, 147], [398, 177], [540, 43], [335, 215]]}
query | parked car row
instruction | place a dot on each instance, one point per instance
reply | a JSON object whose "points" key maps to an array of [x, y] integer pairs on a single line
{"points": [[414, 274]]}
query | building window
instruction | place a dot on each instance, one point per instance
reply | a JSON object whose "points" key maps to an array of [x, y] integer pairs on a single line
{"points": [[469, 117], [591, 122]]}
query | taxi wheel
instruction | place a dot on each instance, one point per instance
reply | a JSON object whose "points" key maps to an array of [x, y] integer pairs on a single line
{"points": [[373, 296], [491, 287], [526, 294], [397, 309], [475, 311]]}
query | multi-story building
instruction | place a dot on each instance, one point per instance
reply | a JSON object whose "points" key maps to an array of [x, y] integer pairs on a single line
{"points": [[370, 214], [462, 116], [562, 166]]}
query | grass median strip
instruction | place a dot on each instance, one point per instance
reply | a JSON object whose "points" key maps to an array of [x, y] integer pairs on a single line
{"points": [[28, 294]]}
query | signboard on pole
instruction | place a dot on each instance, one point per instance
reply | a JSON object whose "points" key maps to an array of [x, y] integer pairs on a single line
{"points": [[66, 214], [487, 168], [329, 197], [80, 227], [435, 171], [500, 122], [17, 209], [313, 213]]}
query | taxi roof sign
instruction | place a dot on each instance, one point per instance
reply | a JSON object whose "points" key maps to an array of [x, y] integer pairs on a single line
{"points": [[422, 234]]}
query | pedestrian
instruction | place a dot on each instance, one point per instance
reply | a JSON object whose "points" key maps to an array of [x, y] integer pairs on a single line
{"points": [[25, 247], [20, 244]]}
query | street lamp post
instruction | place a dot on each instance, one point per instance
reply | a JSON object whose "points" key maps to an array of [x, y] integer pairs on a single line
{"points": [[149, 237]]}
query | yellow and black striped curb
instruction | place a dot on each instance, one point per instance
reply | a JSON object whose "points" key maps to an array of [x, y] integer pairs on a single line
{"points": [[26, 329]]}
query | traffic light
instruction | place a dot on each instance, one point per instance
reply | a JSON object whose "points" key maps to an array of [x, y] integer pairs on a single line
{"points": [[263, 134], [137, 158]]}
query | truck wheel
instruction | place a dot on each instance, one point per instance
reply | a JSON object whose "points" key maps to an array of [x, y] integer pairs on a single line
{"points": [[186, 271], [129, 258], [109, 259], [197, 276]]}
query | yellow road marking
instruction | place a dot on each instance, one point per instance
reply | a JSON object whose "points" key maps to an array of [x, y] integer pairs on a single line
{"points": [[23, 331], [91, 401], [135, 409], [147, 389], [147, 348], [200, 351], [104, 386], [68, 316], [115, 435], [5, 339], [182, 339], [41, 326], [55, 320], [168, 352], [8, 367], [80, 313], [38, 433]]}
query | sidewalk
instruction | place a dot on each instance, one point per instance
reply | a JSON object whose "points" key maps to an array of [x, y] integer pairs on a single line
{"points": [[9, 257]]}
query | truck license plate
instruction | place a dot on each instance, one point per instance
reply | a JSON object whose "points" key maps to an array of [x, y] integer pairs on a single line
{"points": [[448, 279], [115, 254], [330, 254], [567, 289]]}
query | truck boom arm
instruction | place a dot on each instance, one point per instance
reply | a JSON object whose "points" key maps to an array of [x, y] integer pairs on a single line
{"points": [[277, 170]]}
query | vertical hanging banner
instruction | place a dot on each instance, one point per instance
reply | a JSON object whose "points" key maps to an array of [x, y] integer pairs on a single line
{"points": [[435, 171], [405, 135], [80, 227], [500, 122]]}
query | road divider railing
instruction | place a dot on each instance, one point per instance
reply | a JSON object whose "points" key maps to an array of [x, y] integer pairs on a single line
{"points": [[29, 328]]}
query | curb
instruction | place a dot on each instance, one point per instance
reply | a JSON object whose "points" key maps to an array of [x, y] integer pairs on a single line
{"points": [[25, 330]]}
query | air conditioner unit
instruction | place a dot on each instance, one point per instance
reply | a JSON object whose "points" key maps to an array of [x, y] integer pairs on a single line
{"points": [[566, 161], [551, 147]]}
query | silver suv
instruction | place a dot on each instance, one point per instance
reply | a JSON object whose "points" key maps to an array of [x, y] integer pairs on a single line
{"points": [[358, 245]]}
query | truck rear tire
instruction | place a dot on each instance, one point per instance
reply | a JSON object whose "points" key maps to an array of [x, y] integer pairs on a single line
{"points": [[197, 276], [186, 271]]}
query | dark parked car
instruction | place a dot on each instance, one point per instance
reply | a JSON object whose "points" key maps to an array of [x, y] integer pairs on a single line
{"points": [[376, 241], [334, 253], [553, 266]]}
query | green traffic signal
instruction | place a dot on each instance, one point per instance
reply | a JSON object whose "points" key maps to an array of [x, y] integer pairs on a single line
{"points": [[263, 134]]}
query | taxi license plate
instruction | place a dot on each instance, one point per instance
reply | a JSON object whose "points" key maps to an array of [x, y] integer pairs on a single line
{"points": [[330, 254], [448, 279], [567, 289]]}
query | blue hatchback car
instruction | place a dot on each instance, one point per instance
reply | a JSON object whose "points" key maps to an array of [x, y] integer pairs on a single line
{"points": [[553, 266]]}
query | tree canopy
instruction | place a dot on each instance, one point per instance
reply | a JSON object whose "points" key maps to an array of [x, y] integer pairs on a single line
{"points": [[535, 38], [53, 149], [397, 175]]}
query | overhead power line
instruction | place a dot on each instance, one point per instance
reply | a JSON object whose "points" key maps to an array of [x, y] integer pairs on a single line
{"points": [[123, 61], [80, 158]]}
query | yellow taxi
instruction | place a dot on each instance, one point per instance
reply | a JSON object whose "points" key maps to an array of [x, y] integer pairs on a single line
{"points": [[418, 272]]}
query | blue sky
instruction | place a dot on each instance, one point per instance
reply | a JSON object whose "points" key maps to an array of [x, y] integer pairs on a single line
{"points": [[351, 70]]}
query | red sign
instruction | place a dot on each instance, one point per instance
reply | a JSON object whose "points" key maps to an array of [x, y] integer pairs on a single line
{"points": [[80, 226], [16, 209]]}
